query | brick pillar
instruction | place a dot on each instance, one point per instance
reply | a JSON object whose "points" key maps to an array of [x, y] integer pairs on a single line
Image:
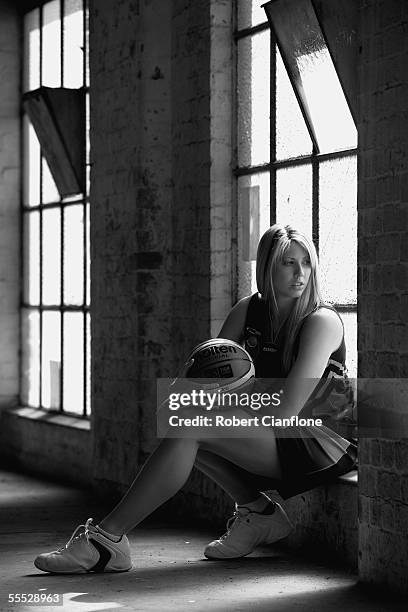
{"points": [[9, 202], [160, 199], [190, 124], [131, 237], [383, 275]]}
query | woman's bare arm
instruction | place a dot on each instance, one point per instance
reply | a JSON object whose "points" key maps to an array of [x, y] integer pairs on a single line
{"points": [[320, 337], [234, 325]]}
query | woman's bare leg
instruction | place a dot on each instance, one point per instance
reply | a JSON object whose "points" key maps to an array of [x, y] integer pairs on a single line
{"points": [[242, 486], [168, 468], [163, 474]]}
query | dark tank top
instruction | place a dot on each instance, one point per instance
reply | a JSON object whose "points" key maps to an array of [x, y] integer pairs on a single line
{"points": [[332, 398]]}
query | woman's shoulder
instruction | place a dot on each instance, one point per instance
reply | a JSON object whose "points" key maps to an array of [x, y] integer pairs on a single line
{"points": [[241, 307], [235, 322], [323, 321], [324, 315]]}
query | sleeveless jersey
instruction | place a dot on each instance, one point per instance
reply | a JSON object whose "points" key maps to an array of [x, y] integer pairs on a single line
{"points": [[332, 399]]}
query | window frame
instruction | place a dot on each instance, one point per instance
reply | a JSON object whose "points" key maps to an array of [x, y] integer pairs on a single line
{"points": [[61, 204], [314, 159]]}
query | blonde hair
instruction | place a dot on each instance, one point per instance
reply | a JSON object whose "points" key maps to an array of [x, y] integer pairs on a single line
{"points": [[271, 251]]}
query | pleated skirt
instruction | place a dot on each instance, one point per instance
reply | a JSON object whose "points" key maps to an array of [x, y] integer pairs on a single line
{"points": [[311, 456]]}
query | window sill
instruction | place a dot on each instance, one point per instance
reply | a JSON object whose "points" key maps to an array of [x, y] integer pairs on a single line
{"points": [[53, 418]]}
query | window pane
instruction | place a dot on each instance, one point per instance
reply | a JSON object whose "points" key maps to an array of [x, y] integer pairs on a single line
{"points": [[73, 392], [51, 359], [313, 74], [74, 255], [49, 188], [31, 286], [88, 179], [30, 366], [88, 363], [251, 221], [253, 99], [73, 44], [31, 76], [329, 112], [43, 54], [87, 131], [51, 247], [51, 45], [294, 197], [250, 13], [350, 334], [87, 63], [32, 161], [338, 229], [292, 136], [88, 257]]}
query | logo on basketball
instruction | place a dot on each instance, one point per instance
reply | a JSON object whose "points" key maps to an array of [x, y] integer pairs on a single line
{"points": [[210, 351], [225, 362]]}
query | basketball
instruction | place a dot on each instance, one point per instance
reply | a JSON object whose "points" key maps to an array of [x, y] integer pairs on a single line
{"points": [[223, 360]]}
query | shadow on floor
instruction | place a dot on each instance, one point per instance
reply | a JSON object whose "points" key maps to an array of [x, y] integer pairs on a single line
{"points": [[169, 571]]}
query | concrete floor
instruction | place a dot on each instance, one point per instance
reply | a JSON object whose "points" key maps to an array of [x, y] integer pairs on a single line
{"points": [[170, 572]]}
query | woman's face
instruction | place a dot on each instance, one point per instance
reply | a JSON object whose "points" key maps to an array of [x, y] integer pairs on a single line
{"points": [[292, 274]]}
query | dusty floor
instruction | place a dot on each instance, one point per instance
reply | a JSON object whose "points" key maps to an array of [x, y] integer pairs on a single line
{"points": [[170, 572]]}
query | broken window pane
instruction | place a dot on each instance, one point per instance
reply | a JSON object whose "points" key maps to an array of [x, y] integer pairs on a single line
{"points": [[49, 189], [292, 136], [313, 74]]}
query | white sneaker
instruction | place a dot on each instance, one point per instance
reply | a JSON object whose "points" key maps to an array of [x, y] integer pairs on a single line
{"points": [[246, 530], [87, 550]]}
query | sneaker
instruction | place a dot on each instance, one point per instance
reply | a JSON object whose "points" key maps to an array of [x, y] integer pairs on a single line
{"points": [[87, 550], [246, 530]]}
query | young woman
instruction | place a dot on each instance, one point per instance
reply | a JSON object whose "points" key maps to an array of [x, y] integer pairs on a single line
{"points": [[290, 334]]}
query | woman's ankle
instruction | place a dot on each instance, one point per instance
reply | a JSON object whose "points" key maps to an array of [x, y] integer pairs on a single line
{"points": [[256, 505], [110, 530]]}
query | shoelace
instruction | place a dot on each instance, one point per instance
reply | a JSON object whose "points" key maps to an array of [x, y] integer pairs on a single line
{"points": [[74, 536], [234, 521]]}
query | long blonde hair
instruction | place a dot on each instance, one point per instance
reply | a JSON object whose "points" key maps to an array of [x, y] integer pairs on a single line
{"points": [[271, 251]]}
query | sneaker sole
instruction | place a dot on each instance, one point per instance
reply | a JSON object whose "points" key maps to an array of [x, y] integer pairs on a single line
{"points": [[84, 571]]}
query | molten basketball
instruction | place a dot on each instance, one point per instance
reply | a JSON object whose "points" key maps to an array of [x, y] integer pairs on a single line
{"points": [[221, 359]]}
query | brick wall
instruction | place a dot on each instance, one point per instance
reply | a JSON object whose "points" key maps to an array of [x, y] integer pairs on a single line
{"points": [[383, 274], [325, 521], [222, 211], [131, 202], [9, 203], [162, 213], [57, 447], [190, 152]]}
